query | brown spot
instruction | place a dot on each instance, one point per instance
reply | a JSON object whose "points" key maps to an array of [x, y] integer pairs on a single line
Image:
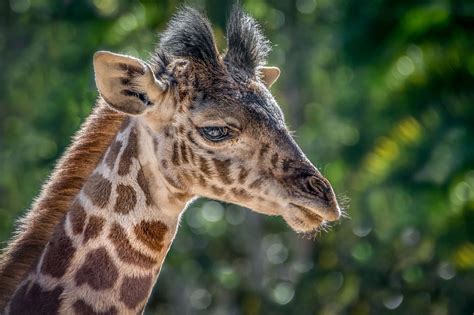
{"points": [[218, 191], [191, 155], [126, 199], [155, 144], [243, 174], [191, 139], [222, 168], [270, 172], [124, 249], [114, 150], [164, 163], [77, 217], [241, 194], [143, 183], [264, 150], [151, 233], [167, 132], [184, 153], [172, 182], [202, 181], [35, 300], [181, 129], [98, 189], [82, 308], [286, 165], [175, 155], [256, 183], [130, 152], [274, 160], [98, 270], [204, 167], [182, 93], [59, 253], [93, 228], [134, 290]]}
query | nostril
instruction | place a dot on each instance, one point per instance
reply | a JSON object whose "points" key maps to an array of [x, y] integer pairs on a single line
{"points": [[318, 186]]}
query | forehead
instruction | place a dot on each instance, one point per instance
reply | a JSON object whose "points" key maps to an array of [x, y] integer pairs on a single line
{"points": [[247, 101]]}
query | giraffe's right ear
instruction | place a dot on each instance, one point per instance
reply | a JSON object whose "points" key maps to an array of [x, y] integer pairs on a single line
{"points": [[126, 83]]}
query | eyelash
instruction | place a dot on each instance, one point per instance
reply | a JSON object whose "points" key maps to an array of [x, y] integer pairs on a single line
{"points": [[223, 133]]}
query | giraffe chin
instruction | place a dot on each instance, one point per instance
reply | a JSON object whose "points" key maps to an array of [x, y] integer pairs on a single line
{"points": [[301, 222]]}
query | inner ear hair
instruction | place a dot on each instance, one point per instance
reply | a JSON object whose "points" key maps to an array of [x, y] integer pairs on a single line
{"points": [[269, 75], [126, 83]]}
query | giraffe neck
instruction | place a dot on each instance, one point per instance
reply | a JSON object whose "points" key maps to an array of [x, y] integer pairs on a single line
{"points": [[105, 255]]}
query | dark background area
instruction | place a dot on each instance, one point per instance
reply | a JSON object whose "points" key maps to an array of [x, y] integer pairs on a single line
{"points": [[380, 94]]}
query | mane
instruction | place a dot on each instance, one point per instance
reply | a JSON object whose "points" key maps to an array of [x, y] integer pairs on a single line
{"points": [[36, 227]]}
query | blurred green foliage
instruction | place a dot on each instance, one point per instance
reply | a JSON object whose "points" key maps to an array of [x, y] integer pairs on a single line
{"points": [[381, 96]]}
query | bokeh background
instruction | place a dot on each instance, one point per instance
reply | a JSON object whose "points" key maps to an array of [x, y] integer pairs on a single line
{"points": [[380, 94]]}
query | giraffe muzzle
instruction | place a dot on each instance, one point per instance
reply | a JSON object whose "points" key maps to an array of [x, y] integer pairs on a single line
{"points": [[320, 198]]}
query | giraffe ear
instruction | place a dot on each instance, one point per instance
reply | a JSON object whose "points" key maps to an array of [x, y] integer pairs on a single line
{"points": [[269, 75], [126, 83]]}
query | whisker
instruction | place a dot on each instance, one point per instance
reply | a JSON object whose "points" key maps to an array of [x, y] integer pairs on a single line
{"points": [[324, 170], [343, 200], [344, 214], [308, 236]]}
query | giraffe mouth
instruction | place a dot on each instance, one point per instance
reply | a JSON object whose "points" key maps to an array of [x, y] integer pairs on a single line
{"points": [[302, 219], [319, 214], [307, 212]]}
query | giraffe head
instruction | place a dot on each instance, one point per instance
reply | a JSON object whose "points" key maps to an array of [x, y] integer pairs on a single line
{"points": [[217, 130]]}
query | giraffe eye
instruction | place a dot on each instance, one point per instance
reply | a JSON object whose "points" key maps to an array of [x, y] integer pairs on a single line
{"points": [[215, 134]]}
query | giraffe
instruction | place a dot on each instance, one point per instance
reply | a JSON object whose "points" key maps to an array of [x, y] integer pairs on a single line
{"points": [[189, 122]]}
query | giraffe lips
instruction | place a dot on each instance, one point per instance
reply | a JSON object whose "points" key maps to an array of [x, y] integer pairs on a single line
{"points": [[319, 214], [304, 218]]}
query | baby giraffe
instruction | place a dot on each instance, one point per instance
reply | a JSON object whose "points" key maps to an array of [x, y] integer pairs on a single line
{"points": [[189, 122]]}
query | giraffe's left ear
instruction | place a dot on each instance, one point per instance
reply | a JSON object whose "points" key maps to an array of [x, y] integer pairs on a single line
{"points": [[269, 75], [126, 83]]}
